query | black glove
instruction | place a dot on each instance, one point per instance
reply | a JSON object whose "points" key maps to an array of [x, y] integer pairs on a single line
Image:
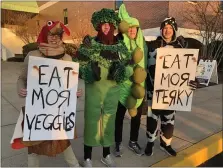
{"points": [[96, 71], [182, 41], [111, 71], [193, 84], [87, 41]]}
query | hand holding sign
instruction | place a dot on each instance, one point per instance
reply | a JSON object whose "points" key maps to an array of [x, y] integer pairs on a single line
{"points": [[175, 68]]}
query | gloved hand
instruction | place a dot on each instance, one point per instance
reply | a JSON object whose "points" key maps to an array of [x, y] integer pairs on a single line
{"points": [[116, 72], [112, 70], [193, 84], [182, 41], [96, 71], [87, 41]]}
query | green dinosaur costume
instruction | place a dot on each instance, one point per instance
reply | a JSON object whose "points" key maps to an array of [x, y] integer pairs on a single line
{"points": [[134, 88], [102, 88]]}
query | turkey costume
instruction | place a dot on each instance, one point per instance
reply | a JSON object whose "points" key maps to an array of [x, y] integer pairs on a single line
{"points": [[102, 67], [53, 51]]}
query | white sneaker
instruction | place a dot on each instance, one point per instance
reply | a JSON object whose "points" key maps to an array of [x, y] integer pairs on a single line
{"points": [[87, 163], [108, 161]]}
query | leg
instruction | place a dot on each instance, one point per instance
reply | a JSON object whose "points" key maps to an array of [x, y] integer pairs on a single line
{"points": [[121, 110], [107, 159], [106, 151], [87, 152], [134, 132], [33, 160], [87, 156], [152, 125], [135, 124], [70, 157], [120, 114], [167, 127], [152, 130]]}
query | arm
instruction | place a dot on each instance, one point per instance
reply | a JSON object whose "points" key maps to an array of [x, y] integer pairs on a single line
{"points": [[22, 80]]}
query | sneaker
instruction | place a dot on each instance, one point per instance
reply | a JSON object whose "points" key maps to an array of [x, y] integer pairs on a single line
{"points": [[168, 149], [108, 161], [118, 150], [134, 146], [87, 163], [149, 149]]}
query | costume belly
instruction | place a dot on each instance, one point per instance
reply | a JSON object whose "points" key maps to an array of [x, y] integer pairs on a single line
{"points": [[101, 101]]}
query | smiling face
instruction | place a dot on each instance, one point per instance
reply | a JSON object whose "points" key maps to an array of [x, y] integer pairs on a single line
{"points": [[105, 28], [132, 32], [168, 32], [53, 39]]}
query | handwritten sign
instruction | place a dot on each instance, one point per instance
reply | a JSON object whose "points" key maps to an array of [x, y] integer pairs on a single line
{"points": [[51, 99], [207, 72], [174, 69]]}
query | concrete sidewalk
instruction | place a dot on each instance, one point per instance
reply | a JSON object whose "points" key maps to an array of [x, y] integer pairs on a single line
{"points": [[191, 127]]}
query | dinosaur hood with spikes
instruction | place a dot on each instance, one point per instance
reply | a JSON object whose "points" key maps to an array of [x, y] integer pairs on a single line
{"points": [[54, 27]]}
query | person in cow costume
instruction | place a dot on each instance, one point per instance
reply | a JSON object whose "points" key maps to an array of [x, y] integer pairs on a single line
{"points": [[50, 46], [169, 39]]}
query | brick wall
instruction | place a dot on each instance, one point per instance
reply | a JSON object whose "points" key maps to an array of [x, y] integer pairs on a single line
{"points": [[79, 16], [149, 13]]}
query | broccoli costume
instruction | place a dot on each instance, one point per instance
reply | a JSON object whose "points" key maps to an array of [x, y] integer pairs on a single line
{"points": [[102, 67], [133, 91]]}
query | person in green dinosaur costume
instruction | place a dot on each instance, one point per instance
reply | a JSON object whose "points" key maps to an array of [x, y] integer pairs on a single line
{"points": [[102, 67], [132, 90]]}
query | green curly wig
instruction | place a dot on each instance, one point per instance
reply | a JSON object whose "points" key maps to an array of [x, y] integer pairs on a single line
{"points": [[105, 16]]}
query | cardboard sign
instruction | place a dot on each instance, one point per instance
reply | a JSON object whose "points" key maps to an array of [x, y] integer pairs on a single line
{"points": [[207, 72], [51, 99], [174, 69]]}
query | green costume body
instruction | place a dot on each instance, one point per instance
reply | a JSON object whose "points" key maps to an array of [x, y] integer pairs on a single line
{"points": [[132, 44], [101, 97]]}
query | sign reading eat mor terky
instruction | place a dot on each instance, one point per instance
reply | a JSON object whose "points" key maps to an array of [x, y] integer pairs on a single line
{"points": [[174, 69], [51, 99]]}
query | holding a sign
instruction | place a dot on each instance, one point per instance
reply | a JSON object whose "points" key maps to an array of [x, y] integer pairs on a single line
{"points": [[174, 69], [51, 100], [48, 81]]}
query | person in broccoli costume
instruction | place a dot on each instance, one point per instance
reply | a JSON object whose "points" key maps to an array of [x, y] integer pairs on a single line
{"points": [[103, 65], [132, 90]]}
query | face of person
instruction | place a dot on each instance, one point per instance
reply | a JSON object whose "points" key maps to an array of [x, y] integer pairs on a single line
{"points": [[168, 32], [132, 32], [53, 39], [105, 28]]}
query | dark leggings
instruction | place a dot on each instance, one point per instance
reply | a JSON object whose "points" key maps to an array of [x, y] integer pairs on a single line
{"points": [[88, 151], [135, 124]]}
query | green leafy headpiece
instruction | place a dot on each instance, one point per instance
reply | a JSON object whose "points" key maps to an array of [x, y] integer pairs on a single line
{"points": [[105, 16]]}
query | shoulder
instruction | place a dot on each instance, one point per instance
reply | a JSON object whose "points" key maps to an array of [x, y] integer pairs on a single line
{"points": [[67, 57], [34, 53], [152, 45]]}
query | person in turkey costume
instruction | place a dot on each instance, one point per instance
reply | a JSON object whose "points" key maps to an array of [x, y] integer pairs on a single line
{"points": [[50, 46], [132, 90], [102, 67]]}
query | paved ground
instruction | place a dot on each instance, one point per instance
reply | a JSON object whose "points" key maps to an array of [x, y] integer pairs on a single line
{"points": [[191, 127]]}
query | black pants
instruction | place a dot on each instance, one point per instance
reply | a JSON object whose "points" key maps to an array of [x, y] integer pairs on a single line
{"points": [[88, 151], [135, 124], [167, 118]]}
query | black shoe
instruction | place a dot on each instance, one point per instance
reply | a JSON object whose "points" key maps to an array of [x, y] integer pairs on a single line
{"points": [[134, 146], [149, 149], [168, 149]]}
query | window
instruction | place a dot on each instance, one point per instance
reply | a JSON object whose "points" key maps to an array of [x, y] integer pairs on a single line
{"points": [[118, 4], [192, 2], [65, 16], [221, 5]]}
